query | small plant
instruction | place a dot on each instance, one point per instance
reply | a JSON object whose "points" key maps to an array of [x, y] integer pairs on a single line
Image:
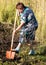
{"points": [[5, 16]]}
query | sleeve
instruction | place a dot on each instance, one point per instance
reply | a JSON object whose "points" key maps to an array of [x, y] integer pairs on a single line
{"points": [[23, 18], [30, 16], [27, 16]]}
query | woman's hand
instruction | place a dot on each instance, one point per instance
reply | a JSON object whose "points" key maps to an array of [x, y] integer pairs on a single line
{"points": [[14, 31], [18, 28]]}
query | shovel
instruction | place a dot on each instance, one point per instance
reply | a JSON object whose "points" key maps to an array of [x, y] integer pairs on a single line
{"points": [[10, 54]]}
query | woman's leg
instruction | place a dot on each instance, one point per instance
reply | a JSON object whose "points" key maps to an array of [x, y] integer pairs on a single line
{"points": [[31, 39], [21, 41], [31, 52]]}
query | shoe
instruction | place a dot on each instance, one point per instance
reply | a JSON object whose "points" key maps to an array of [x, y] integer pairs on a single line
{"points": [[16, 50], [31, 52]]}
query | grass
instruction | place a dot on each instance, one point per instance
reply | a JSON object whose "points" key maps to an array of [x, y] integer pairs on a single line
{"points": [[37, 59]]}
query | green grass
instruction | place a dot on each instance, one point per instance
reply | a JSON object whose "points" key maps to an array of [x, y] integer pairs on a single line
{"points": [[37, 59]]}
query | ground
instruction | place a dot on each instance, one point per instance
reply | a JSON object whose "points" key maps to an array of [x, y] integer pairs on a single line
{"points": [[22, 58]]}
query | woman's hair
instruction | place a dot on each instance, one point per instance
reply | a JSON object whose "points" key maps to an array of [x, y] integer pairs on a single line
{"points": [[20, 5]]}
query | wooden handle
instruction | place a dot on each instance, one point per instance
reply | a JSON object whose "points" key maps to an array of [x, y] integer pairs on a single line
{"points": [[13, 31]]}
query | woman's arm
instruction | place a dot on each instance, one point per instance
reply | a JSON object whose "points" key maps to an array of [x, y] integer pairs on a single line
{"points": [[19, 27]]}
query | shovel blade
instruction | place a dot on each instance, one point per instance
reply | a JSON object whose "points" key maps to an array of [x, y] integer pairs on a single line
{"points": [[10, 55]]}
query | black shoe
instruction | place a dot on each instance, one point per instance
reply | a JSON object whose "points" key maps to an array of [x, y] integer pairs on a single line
{"points": [[13, 50], [17, 51]]}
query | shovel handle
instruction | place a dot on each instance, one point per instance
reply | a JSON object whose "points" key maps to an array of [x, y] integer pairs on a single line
{"points": [[13, 31], [12, 39]]}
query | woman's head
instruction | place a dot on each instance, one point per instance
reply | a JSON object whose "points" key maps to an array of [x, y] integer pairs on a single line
{"points": [[20, 7]]}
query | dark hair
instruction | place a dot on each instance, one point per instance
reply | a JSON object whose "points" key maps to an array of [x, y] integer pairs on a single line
{"points": [[20, 5]]}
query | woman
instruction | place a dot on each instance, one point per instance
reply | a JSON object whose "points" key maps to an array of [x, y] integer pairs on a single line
{"points": [[27, 27]]}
